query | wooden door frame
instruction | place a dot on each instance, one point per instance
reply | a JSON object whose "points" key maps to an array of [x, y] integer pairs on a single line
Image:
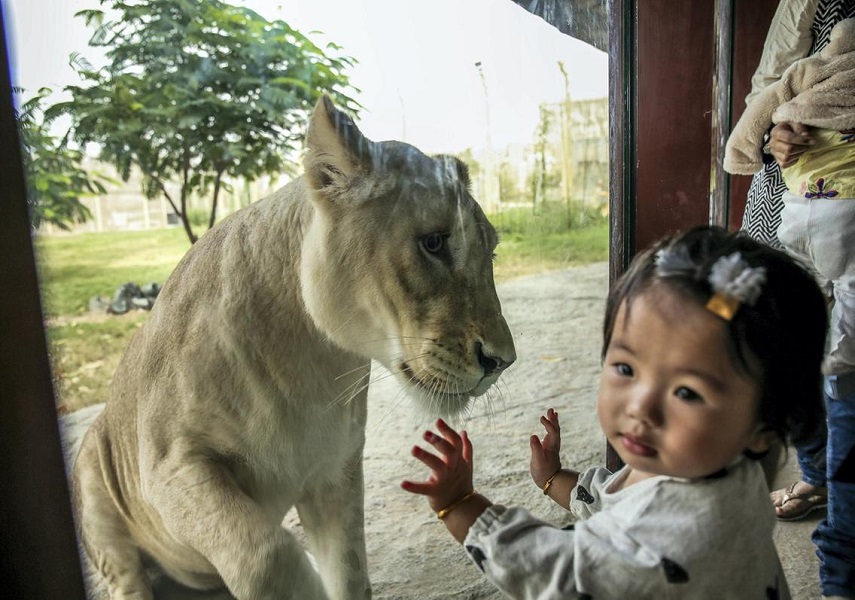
{"points": [[38, 548], [660, 125], [669, 122]]}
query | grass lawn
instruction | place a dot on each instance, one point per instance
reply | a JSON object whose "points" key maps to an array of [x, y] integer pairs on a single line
{"points": [[86, 348], [525, 254], [74, 268]]}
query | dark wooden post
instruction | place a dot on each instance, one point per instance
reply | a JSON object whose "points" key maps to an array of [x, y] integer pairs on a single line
{"points": [[661, 70], [38, 551]]}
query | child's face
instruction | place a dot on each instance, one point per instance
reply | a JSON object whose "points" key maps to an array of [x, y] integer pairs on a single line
{"points": [[671, 401]]}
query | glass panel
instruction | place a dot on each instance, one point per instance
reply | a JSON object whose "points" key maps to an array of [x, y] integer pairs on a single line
{"points": [[524, 106]]}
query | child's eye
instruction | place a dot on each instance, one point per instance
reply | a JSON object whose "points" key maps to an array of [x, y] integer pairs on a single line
{"points": [[623, 369], [688, 394]]}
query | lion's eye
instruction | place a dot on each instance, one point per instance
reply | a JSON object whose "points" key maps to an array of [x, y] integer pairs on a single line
{"points": [[433, 242]]}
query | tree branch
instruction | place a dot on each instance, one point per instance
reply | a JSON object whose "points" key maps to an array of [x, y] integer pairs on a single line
{"points": [[217, 182], [185, 184]]}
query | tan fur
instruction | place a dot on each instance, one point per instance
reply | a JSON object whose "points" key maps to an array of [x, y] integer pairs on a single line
{"points": [[244, 393]]}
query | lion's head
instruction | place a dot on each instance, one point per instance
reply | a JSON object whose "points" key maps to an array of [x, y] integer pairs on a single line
{"points": [[397, 263]]}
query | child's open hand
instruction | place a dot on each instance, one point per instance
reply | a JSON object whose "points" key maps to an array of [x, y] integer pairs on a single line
{"points": [[450, 473], [545, 460]]}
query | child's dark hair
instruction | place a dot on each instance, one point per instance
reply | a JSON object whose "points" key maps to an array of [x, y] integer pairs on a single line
{"points": [[782, 334]]}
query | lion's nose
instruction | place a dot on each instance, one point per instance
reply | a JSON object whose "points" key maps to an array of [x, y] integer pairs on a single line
{"points": [[491, 364]]}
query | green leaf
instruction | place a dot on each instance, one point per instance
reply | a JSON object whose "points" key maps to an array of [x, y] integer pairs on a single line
{"points": [[91, 16], [55, 178], [197, 87]]}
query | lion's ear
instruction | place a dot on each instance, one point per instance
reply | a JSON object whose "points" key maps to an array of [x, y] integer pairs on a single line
{"points": [[462, 172], [335, 148]]}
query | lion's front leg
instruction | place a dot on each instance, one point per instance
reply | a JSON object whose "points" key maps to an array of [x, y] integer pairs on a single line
{"points": [[103, 528], [332, 513], [202, 507]]}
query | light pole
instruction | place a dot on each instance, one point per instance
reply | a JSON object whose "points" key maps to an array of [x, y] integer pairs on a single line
{"points": [[491, 198]]}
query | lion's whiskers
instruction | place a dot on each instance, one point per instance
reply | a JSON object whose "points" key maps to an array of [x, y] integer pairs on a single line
{"points": [[437, 391], [345, 322], [350, 392], [396, 401], [346, 373]]}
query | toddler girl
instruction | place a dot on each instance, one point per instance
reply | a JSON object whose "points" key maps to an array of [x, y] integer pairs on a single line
{"points": [[712, 351]]}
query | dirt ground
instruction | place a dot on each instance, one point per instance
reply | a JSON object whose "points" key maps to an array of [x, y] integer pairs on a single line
{"points": [[556, 322]]}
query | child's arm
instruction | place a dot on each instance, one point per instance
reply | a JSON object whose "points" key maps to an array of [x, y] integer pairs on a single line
{"points": [[449, 487], [546, 470]]}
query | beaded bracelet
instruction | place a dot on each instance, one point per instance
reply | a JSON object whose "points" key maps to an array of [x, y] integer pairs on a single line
{"points": [[444, 512]]}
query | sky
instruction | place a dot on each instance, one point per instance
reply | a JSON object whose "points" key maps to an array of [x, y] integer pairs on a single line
{"points": [[417, 62]]}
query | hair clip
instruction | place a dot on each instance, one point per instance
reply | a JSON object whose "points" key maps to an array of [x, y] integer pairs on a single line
{"points": [[673, 261], [734, 282]]}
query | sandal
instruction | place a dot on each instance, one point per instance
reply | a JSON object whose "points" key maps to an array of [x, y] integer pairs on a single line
{"points": [[809, 502]]}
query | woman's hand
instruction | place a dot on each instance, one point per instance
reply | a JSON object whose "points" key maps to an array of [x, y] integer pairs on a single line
{"points": [[545, 460], [788, 141]]}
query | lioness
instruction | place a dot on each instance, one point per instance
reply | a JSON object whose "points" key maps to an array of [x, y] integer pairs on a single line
{"points": [[244, 393]]}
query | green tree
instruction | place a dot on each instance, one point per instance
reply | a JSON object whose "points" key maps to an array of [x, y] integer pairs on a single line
{"points": [[196, 92], [509, 180], [474, 167], [56, 180]]}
